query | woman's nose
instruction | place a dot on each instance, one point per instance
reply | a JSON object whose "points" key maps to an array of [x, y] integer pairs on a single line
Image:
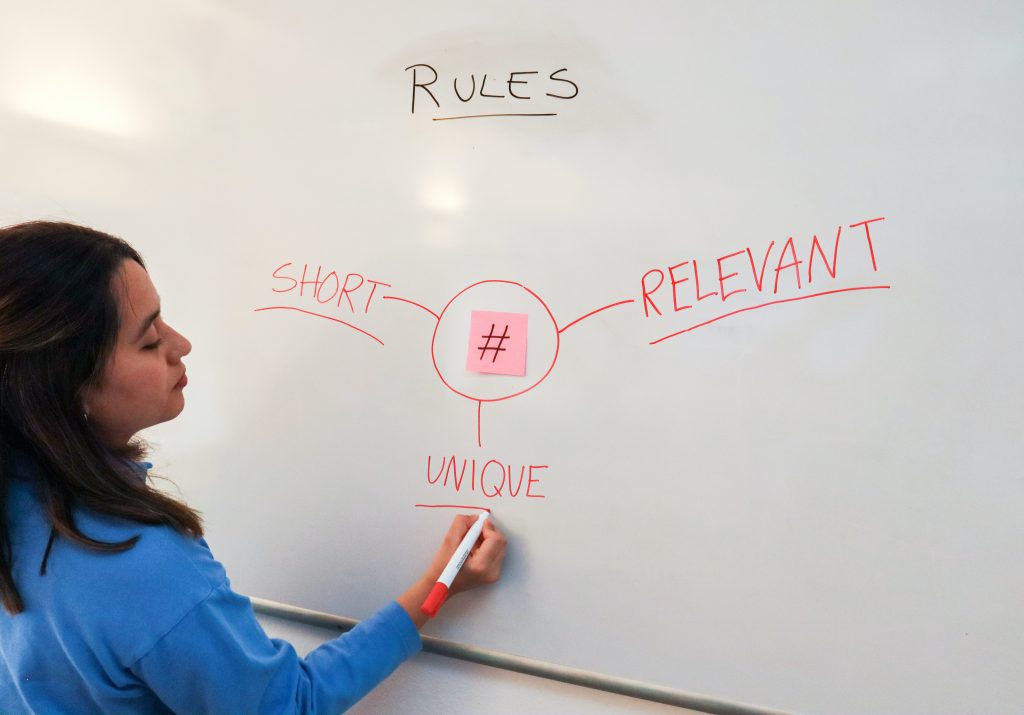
{"points": [[182, 346]]}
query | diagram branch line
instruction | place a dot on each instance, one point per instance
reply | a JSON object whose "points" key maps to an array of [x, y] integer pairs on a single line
{"points": [[594, 312], [479, 409], [412, 302]]}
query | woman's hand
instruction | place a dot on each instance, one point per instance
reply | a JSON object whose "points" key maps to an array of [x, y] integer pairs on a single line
{"points": [[482, 566]]}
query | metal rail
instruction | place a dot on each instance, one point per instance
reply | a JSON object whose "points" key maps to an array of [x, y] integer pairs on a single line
{"points": [[528, 666]]}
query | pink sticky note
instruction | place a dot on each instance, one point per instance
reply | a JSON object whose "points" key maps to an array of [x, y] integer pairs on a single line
{"points": [[497, 343]]}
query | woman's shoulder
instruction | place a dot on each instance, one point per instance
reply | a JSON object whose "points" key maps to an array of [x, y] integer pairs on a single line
{"points": [[161, 551], [135, 596], [160, 554], [121, 603]]}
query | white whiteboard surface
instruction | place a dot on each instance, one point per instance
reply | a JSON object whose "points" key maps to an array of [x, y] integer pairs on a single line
{"points": [[812, 504]]}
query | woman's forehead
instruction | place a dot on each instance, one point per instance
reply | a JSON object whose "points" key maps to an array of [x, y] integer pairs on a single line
{"points": [[138, 298]]}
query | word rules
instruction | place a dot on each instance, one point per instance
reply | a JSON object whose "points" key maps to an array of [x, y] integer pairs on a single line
{"points": [[512, 90]]}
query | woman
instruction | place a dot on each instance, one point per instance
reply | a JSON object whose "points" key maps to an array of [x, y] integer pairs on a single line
{"points": [[114, 602]]}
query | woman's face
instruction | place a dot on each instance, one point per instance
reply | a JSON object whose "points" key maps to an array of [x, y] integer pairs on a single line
{"points": [[143, 381]]}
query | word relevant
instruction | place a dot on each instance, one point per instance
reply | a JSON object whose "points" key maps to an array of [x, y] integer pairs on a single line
{"points": [[329, 287], [493, 479], [518, 87], [743, 271]]}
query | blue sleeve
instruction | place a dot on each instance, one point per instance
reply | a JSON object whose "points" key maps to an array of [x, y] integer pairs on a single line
{"points": [[218, 659]]}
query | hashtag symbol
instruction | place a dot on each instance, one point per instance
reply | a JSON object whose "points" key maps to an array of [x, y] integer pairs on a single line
{"points": [[491, 336]]}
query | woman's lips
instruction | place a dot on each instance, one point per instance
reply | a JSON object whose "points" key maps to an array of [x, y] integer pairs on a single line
{"points": [[182, 382]]}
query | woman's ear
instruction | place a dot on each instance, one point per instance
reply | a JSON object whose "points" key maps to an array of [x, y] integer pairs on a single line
{"points": [[84, 397]]}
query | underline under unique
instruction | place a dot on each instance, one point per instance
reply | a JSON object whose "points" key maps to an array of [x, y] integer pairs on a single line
{"points": [[453, 506], [480, 116]]}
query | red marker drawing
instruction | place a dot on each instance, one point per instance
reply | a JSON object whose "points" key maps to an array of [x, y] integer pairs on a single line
{"points": [[439, 593]]}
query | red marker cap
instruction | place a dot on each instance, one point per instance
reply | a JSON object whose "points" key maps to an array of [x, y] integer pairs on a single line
{"points": [[437, 596]]}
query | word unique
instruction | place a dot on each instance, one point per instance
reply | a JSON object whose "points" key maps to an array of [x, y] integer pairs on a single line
{"points": [[787, 272], [330, 286], [519, 86], [493, 479]]}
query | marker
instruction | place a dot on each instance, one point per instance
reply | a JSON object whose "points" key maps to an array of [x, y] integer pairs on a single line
{"points": [[439, 593]]}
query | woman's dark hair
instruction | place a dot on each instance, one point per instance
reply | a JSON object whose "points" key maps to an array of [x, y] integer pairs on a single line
{"points": [[59, 322]]}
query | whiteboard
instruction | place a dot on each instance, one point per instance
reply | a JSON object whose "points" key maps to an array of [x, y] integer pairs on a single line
{"points": [[788, 488]]}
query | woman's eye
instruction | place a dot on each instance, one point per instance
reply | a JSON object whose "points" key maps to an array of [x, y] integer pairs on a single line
{"points": [[152, 346]]}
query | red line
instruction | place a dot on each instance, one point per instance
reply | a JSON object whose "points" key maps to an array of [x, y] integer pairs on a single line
{"points": [[621, 302], [395, 297], [453, 506], [765, 305], [319, 315], [479, 407]]}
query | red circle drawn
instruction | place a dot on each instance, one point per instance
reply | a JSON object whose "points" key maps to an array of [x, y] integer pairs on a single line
{"points": [[433, 340]]}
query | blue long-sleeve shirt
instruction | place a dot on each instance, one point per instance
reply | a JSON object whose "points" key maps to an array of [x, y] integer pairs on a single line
{"points": [[157, 629]]}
